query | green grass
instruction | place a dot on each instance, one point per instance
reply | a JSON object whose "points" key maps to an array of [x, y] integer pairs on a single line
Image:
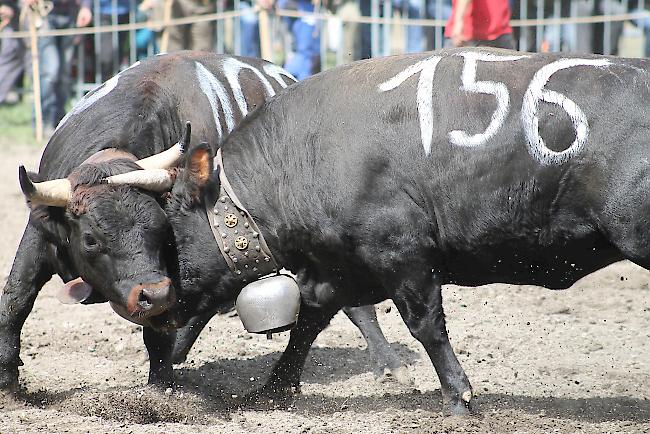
{"points": [[16, 126]]}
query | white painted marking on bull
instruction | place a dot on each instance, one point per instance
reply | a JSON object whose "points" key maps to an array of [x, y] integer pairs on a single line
{"points": [[425, 104], [217, 95], [276, 72], [536, 93], [499, 90], [232, 68], [424, 96], [95, 95]]}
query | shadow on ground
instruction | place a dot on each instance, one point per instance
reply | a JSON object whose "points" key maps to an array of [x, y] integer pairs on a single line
{"points": [[214, 391], [148, 405], [323, 366]]}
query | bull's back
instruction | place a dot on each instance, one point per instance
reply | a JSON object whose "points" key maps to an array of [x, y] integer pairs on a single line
{"points": [[490, 143], [142, 109]]}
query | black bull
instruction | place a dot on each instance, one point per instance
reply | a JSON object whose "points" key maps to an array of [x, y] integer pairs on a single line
{"points": [[139, 113], [463, 166]]}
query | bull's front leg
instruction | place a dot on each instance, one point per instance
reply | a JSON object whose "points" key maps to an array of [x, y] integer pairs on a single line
{"points": [[285, 377], [159, 346], [187, 335], [30, 271], [419, 300], [401, 254], [387, 363]]}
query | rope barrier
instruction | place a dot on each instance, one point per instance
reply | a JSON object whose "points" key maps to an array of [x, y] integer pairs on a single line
{"points": [[128, 27], [441, 23], [323, 17]]}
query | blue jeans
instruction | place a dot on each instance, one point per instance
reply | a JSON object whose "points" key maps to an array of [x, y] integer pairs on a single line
{"points": [[55, 53], [250, 32], [414, 34], [306, 35], [144, 38]]}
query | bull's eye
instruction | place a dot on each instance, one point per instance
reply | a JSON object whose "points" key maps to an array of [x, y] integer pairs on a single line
{"points": [[90, 242]]}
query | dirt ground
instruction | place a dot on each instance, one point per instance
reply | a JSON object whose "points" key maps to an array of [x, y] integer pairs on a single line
{"points": [[539, 361]]}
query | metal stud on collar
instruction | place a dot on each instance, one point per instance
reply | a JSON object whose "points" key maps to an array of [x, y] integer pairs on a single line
{"points": [[230, 220], [241, 243]]}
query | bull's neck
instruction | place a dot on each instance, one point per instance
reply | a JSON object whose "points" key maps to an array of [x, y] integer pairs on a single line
{"points": [[265, 185]]}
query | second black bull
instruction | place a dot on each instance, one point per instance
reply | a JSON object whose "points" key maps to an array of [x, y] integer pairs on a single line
{"points": [[118, 239]]}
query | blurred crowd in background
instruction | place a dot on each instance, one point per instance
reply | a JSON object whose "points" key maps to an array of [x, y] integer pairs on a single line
{"points": [[321, 33]]}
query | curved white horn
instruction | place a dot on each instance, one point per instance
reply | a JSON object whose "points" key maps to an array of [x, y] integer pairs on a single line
{"points": [[162, 160], [158, 180], [171, 156], [56, 192]]}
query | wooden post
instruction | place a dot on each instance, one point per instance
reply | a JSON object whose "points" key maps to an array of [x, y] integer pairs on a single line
{"points": [[36, 79], [167, 14], [265, 36]]}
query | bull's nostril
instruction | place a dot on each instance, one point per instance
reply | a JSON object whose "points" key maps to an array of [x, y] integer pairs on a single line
{"points": [[150, 299], [156, 296], [144, 300]]}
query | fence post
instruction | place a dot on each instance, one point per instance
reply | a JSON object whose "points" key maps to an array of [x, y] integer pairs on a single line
{"points": [[36, 79], [167, 14], [266, 50]]}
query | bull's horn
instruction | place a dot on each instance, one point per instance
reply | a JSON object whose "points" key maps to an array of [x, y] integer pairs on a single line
{"points": [[158, 180], [56, 192], [171, 156]]}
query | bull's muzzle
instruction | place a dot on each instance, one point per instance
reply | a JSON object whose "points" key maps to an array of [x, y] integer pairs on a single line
{"points": [[150, 299]]}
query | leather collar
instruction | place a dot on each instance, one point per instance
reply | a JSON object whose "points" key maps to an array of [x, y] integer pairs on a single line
{"points": [[239, 239]]}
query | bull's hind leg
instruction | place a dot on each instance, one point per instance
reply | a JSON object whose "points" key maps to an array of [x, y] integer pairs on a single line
{"points": [[30, 271], [285, 376], [419, 300], [387, 363]]}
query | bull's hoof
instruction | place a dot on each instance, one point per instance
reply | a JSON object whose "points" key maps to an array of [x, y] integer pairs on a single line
{"points": [[9, 379], [162, 382], [460, 406], [178, 358], [400, 374], [12, 399]]}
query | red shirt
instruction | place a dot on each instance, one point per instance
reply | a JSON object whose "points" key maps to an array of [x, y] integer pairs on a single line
{"points": [[484, 20]]}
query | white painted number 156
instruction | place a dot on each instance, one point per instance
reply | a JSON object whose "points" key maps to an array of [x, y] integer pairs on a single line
{"points": [[535, 93]]}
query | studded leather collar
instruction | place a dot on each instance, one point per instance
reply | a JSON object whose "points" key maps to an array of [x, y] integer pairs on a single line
{"points": [[240, 241]]}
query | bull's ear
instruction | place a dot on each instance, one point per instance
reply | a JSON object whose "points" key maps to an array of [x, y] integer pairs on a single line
{"points": [[50, 221], [199, 164]]}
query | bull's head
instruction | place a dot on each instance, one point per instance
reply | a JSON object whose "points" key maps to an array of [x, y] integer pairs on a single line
{"points": [[106, 215]]}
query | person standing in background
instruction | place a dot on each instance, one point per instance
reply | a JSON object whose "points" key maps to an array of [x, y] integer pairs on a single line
{"points": [[196, 36], [250, 26], [12, 52], [304, 60], [480, 23], [55, 57], [112, 48]]}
